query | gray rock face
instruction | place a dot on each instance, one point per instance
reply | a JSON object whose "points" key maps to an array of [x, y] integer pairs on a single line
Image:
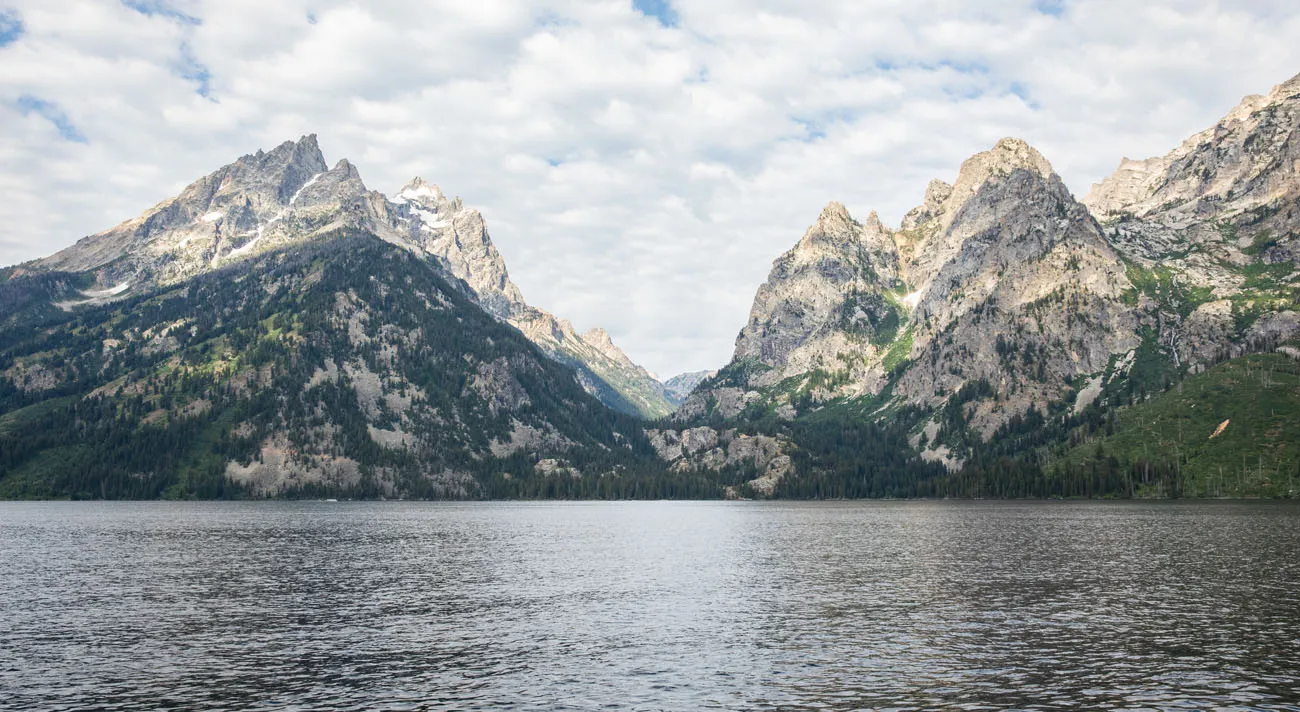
{"points": [[680, 386], [1011, 264], [1217, 218], [704, 448], [1245, 161], [832, 282], [1002, 258]]}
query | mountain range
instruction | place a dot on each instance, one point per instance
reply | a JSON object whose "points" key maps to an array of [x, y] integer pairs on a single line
{"points": [[278, 329]]}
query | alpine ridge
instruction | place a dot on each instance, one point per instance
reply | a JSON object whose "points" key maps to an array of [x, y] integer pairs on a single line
{"points": [[268, 200]]}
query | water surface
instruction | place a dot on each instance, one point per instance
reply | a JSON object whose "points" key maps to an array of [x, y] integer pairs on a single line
{"points": [[832, 606]]}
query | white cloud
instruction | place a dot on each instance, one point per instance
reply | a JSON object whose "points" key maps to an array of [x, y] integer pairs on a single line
{"points": [[635, 176]]}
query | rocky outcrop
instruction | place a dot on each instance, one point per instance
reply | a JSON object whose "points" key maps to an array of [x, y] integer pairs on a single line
{"points": [[704, 448]]}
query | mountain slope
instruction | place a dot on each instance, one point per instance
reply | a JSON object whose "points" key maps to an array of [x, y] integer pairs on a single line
{"points": [[458, 238], [343, 366], [268, 200], [1230, 431], [1210, 229]]}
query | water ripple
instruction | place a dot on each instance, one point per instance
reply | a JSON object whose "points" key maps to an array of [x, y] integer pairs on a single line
{"points": [[650, 606]]}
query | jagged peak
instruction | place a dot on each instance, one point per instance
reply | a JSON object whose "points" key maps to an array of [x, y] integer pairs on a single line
{"points": [[835, 211], [345, 166], [1010, 154], [937, 191], [873, 223], [597, 336], [834, 226], [1007, 156], [421, 191]]}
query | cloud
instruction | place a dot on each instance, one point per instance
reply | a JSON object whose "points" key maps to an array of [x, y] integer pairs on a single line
{"points": [[640, 164]]}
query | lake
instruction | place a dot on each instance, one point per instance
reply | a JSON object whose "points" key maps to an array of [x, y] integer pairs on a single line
{"points": [[650, 605]]}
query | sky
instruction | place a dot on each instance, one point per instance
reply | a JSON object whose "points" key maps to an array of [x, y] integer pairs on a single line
{"points": [[640, 163]]}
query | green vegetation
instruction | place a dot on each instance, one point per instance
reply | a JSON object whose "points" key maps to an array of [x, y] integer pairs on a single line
{"points": [[1173, 434], [895, 358], [1162, 285], [152, 397]]}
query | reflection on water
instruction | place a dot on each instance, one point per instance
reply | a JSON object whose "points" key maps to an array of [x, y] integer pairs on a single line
{"points": [[893, 605]]}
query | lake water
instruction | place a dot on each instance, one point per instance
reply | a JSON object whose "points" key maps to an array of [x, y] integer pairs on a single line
{"points": [[678, 606]]}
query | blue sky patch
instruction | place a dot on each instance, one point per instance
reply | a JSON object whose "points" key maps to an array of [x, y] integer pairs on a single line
{"points": [[11, 27], [195, 71], [661, 10], [51, 112], [1055, 8], [161, 8]]}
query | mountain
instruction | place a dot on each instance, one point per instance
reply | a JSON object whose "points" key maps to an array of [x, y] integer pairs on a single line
{"points": [[345, 366], [680, 386], [1209, 231], [279, 330], [268, 200], [999, 268], [1001, 298]]}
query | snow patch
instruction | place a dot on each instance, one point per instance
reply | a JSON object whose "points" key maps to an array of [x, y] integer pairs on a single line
{"points": [[110, 292], [431, 220], [912, 299], [423, 191], [96, 296], [305, 186], [247, 246], [213, 216]]}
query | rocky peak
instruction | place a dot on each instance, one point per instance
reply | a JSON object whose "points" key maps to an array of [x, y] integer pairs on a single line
{"points": [[833, 229], [806, 298], [935, 194], [283, 170], [1005, 184], [423, 193], [834, 216], [600, 340], [1005, 158], [1248, 159]]}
